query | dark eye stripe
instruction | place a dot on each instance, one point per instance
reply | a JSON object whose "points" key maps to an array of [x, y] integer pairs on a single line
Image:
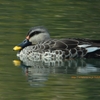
{"points": [[33, 33]]}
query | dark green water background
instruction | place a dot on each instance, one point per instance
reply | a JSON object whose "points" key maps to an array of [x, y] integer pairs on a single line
{"points": [[63, 18]]}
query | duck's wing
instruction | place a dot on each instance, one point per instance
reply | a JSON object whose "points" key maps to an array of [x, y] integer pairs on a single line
{"points": [[60, 44], [88, 41]]}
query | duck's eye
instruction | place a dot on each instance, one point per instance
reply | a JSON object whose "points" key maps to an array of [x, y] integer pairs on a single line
{"points": [[34, 33]]}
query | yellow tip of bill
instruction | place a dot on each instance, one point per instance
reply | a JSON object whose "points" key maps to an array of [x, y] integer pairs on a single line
{"points": [[17, 48]]}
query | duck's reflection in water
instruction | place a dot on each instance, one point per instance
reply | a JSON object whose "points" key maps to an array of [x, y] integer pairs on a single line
{"points": [[37, 71]]}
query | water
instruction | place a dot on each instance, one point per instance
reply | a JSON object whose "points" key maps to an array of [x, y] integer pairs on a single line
{"points": [[38, 71], [63, 18]]}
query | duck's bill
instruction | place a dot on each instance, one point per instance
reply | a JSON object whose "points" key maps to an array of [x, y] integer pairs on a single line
{"points": [[22, 45], [17, 48]]}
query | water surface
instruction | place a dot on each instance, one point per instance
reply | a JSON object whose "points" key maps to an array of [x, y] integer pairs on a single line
{"points": [[63, 18]]}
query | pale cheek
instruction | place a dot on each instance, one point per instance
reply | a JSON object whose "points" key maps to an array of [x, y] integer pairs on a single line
{"points": [[32, 39]]}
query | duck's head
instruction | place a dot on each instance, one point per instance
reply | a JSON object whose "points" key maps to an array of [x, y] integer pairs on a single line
{"points": [[34, 36]]}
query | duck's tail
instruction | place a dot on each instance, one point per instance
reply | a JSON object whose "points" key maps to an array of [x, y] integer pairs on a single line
{"points": [[91, 51], [92, 47], [94, 50]]}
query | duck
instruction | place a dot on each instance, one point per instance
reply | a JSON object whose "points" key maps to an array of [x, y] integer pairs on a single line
{"points": [[39, 45]]}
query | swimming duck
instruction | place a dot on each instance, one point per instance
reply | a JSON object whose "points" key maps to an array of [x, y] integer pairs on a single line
{"points": [[39, 45]]}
